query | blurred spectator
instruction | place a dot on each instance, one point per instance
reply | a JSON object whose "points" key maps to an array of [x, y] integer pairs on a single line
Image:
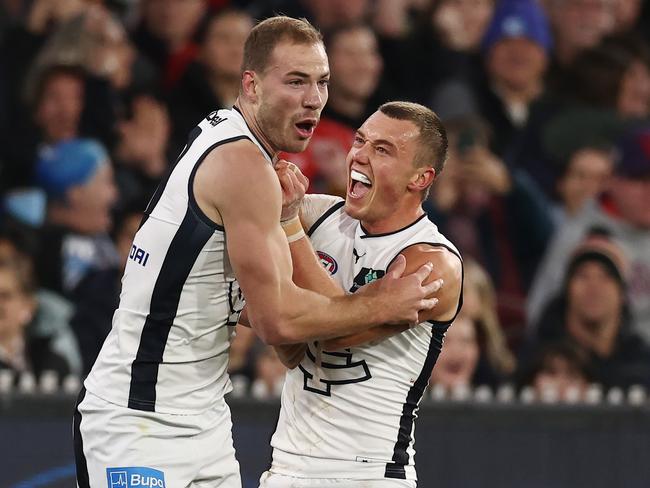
{"points": [[78, 179], [26, 36], [577, 25], [480, 304], [165, 35], [355, 66], [54, 115], [460, 355], [559, 371], [324, 14], [18, 351], [141, 154], [627, 14], [22, 42], [583, 179], [494, 216], [624, 212], [475, 351], [461, 24], [613, 75], [212, 81], [58, 103], [444, 45], [329, 14], [592, 312], [50, 320], [579, 147], [516, 48], [95, 40]]}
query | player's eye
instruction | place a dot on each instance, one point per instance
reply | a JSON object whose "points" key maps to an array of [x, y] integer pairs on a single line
{"points": [[324, 83], [382, 150], [358, 140], [295, 82]]}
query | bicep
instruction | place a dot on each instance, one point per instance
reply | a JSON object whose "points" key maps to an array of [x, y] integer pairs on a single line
{"points": [[258, 252], [242, 188]]}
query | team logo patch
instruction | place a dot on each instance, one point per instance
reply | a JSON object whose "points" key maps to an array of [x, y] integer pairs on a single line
{"points": [[328, 262], [365, 276], [135, 476]]}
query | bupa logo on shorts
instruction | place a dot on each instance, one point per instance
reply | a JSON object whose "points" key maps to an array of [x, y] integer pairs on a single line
{"points": [[135, 477], [328, 262]]}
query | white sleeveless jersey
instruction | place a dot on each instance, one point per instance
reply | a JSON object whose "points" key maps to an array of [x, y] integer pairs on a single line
{"points": [[168, 348], [350, 413]]}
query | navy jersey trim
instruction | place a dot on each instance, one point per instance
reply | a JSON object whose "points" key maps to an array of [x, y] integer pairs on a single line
{"points": [[190, 184], [400, 458], [323, 217], [190, 238], [160, 189], [462, 278], [367, 235], [83, 481], [266, 151]]}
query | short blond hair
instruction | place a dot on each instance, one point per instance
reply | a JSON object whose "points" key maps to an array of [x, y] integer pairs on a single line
{"points": [[269, 33]]}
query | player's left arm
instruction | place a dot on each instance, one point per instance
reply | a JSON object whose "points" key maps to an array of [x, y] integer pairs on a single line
{"points": [[447, 267]]}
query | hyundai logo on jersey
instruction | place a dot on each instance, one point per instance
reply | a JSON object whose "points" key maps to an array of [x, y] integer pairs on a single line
{"points": [[328, 262], [135, 477]]}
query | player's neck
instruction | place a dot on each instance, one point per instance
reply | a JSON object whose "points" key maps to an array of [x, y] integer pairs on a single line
{"points": [[251, 121], [394, 222]]}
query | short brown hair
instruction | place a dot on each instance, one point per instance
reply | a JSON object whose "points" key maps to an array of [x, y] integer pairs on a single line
{"points": [[269, 33], [433, 136]]}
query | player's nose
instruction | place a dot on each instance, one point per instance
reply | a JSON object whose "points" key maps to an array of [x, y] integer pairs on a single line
{"points": [[314, 98], [361, 155]]}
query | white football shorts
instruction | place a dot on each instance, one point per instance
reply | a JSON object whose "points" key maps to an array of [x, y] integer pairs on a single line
{"points": [[119, 447]]}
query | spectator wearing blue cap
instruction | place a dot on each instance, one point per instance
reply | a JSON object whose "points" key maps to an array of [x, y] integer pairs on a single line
{"points": [[623, 210], [516, 50], [77, 178], [78, 259]]}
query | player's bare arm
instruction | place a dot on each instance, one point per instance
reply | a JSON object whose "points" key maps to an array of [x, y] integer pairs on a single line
{"points": [[290, 355], [307, 270], [447, 270], [279, 311]]}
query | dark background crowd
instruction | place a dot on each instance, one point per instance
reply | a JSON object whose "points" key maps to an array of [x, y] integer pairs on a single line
{"points": [[546, 191]]}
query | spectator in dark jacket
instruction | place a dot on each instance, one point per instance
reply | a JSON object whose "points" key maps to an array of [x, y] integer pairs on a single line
{"points": [[19, 351], [592, 313]]}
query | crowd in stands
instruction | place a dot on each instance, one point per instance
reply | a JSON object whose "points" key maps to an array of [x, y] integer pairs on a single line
{"points": [[546, 191]]}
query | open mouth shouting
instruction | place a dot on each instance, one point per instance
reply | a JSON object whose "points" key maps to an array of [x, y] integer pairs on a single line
{"points": [[306, 127], [360, 184]]}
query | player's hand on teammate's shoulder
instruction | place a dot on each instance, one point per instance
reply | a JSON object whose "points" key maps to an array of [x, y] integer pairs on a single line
{"points": [[294, 186], [403, 297]]}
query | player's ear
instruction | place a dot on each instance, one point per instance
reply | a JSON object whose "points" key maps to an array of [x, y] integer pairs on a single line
{"points": [[250, 86], [422, 179]]}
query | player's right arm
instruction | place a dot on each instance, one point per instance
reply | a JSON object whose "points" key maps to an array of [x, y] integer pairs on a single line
{"points": [[236, 186]]}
